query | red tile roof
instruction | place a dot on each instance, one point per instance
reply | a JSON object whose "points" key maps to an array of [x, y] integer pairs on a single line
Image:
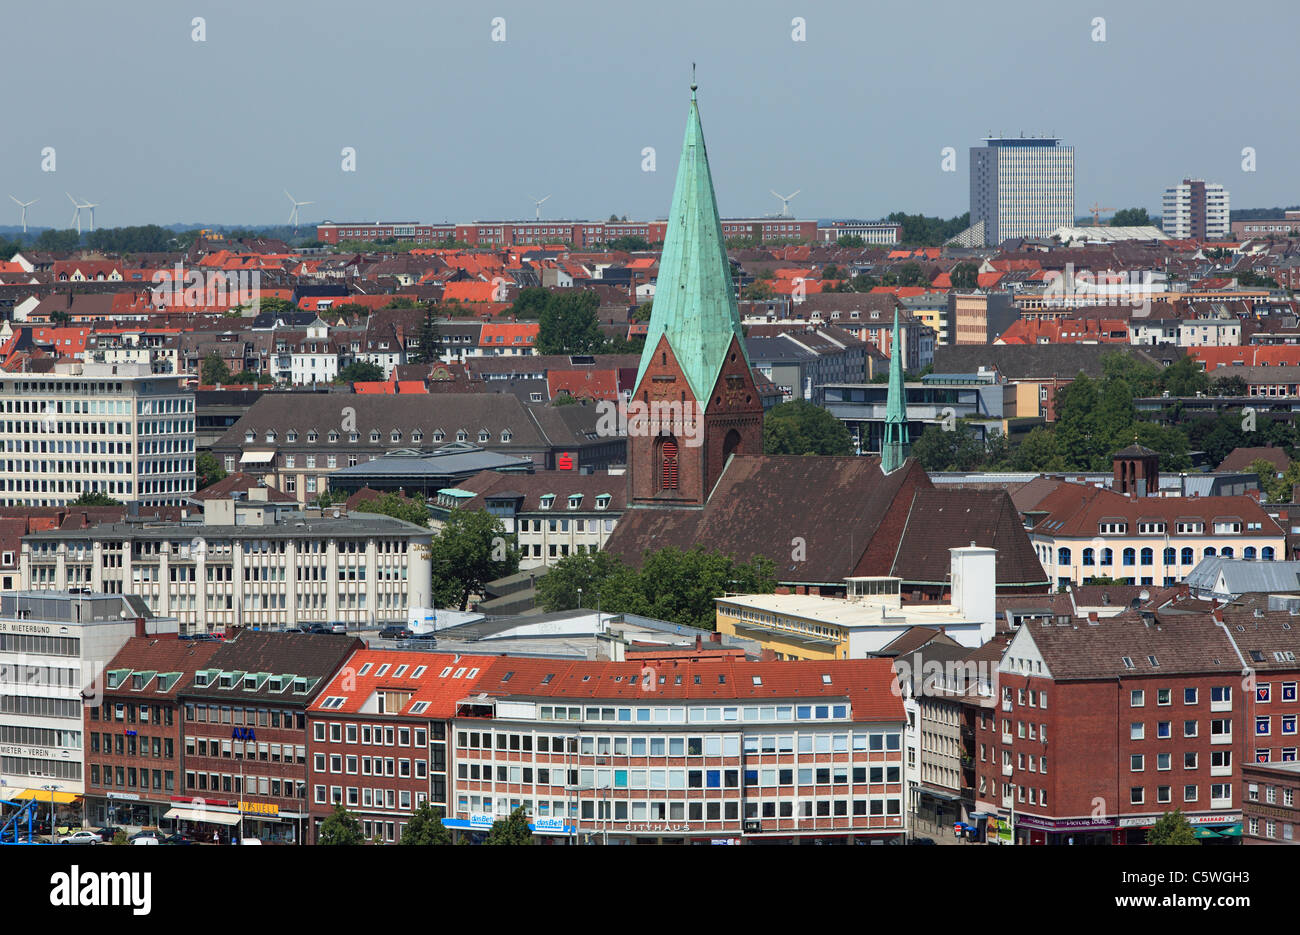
{"points": [[867, 683], [445, 680], [1077, 510]]}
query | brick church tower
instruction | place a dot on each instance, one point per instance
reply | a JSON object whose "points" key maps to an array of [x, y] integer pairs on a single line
{"points": [[695, 391]]}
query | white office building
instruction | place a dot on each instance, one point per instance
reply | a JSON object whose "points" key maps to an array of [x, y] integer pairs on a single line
{"points": [[1196, 210], [1021, 187], [116, 429], [52, 646]]}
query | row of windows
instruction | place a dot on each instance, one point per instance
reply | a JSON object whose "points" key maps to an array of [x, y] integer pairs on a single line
{"points": [[1171, 556]]}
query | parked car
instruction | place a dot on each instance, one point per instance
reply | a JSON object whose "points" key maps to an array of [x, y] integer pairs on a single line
{"points": [[82, 837], [318, 628], [178, 838], [107, 833], [426, 635], [150, 834], [394, 633], [923, 840], [338, 626], [146, 841]]}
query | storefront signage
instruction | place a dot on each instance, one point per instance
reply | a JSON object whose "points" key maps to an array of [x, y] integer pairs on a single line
{"points": [[36, 753], [551, 826], [243, 733], [128, 796], [1065, 824], [259, 808], [481, 821], [43, 629], [656, 827]]}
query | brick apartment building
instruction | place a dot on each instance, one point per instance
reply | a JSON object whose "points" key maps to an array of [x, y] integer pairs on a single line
{"points": [[1102, 725], [378, 736], [1269, 812], [245, 730], [133, 737]]}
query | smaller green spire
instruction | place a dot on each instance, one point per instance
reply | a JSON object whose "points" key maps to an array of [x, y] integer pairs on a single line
{"points": [[896, 445]]}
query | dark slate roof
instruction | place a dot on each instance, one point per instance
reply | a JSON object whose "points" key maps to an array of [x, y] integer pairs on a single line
{"points": [[314, 656], [829, 510], [1181, 643], [1239, 459], [1025, 361], [941, 519]]}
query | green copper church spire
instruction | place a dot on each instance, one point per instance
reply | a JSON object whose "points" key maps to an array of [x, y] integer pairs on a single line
{"points": [[896, 445], [695, 299]]}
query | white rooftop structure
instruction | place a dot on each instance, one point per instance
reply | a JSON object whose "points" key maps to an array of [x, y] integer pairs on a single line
{"points": [[1071, 234]]}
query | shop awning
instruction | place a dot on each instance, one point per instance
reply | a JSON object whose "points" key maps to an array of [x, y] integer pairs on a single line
{"points": [[62, 798], [1203, 832], [1230, 831], [256, 457], [204, 815]]}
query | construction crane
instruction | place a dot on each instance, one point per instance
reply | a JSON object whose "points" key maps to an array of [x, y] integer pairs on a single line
{"points": [[1096, 210]]}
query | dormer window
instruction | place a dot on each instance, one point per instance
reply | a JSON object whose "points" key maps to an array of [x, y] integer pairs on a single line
{"points": [[270, 436], [374, 437], [312, 436], [506, 436], [483, 436], [396, 436], [417, 436], [575, 501], [462, 435], [602, 501], [438, 436], [1113, 528], [546, 501], [354, 436], [333, 436], [248, 437], [227, 681], [291, 435]]}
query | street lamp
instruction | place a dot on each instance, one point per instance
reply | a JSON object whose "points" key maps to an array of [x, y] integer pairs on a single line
{"points": [[51, 788]]}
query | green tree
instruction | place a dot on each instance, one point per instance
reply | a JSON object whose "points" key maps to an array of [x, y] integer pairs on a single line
{"points": [[955, 449], [1172, 828], [214, 370], [801, 428], [276, 306], [427, 348], [1038, 451], [568, 324], [425, 827], [350, 311], [1130, 217], [850, 240], [207, 469], [360, 371], [757, 290], [1184, 377], [530, 303], [1228, 386], [629, 243], [864, 282], [671, 584], [56, 241], [390, 504], [95, 498], [911, 274], [401, 301], [511, 830], [965, 276], [340, 828], [471, 550]]}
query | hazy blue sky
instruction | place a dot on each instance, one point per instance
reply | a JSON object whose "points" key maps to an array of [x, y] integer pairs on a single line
{"points": [[450, 125]]}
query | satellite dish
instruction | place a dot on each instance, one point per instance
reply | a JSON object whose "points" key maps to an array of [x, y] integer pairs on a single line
{"points": [[1144, 595]]}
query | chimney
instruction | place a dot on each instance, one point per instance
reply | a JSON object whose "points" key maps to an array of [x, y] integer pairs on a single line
{"points": [[1218, 615], [1092, 616], [699, 642], [139, 626]]}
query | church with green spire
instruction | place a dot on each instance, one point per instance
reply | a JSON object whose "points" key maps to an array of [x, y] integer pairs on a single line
{"points": [[896, 446], [694, 365], [701, 478]]}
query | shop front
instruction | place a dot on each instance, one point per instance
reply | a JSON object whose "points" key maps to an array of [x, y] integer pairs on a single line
{"points": [[1210, 829]]}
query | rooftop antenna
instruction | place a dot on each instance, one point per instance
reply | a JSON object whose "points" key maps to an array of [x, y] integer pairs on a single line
{"points": [[23, 205], [293, 215], [785, 201], [537, 203]]}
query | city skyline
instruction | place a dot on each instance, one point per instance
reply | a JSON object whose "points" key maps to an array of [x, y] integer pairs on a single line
{"points": [[853, 146]]}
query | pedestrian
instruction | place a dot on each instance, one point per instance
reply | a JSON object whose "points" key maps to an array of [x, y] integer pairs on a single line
{"points": [[216, 838]]}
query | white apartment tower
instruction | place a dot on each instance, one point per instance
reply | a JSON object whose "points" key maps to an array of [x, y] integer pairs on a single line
{"points": [[116, 429], [1021, 187], [1196, 210]]}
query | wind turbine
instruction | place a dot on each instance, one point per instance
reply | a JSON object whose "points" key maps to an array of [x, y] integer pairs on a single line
{"points": [[785, 202], [76, 216], [24, 205], [538, 204], [293, 215]]}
